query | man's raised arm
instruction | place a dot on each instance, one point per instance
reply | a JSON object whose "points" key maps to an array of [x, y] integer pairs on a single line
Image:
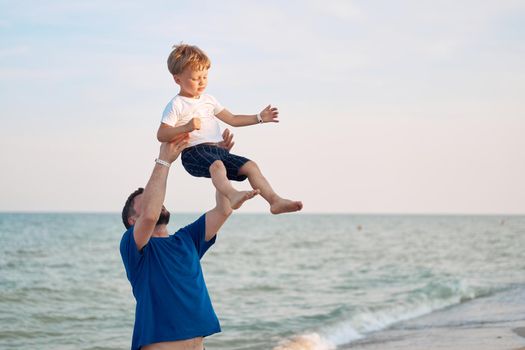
{"points": [[150, 205]]}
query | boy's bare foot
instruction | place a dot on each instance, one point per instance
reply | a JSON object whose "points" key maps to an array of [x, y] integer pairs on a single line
{"points": [[242, 196], [282, 205]]}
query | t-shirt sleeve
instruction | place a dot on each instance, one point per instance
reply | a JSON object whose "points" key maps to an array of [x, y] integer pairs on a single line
{"points": [[131, 256], [217, 107], [197, 232], [170, 115]]}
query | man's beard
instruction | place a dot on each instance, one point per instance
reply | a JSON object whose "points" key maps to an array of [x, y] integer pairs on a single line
{"points": [[164, 217]]}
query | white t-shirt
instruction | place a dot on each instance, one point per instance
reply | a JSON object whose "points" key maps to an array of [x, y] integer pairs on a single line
{"points": [[180, 110]]}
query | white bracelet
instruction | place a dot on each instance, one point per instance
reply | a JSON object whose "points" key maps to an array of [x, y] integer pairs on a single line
{"points": [[259, 118], [162, 162]]}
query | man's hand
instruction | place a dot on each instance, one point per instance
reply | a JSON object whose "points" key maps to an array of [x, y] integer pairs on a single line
{"points": [[169, 151], [193, 124], [270, 114], [227, 140]]}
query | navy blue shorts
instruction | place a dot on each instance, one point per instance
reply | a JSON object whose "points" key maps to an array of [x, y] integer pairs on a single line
{"points": [[197, 160]]}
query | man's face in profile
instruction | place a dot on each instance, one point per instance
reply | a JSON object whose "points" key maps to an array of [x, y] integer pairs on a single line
{"points": [[164, 217]]}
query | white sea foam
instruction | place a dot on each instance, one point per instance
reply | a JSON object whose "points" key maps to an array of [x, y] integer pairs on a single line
{"points": [[366, 320], [311, 341]]}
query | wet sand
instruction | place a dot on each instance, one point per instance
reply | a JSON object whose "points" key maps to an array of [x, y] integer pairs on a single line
{"points": [[496, 322]]}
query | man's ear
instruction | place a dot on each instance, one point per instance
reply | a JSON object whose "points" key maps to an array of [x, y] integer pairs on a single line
{"points": [[131, 221], [176, 78]]}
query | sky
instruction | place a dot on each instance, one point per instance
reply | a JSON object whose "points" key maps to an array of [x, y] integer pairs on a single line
{"points": [[387, 107]]}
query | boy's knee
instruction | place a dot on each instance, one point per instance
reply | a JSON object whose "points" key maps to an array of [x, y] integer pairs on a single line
{"points": [[249, 167], [217, 166]]}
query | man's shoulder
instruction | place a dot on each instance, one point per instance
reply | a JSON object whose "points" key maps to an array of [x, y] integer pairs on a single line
{"points": [[198, 224], [125, 237], [127, 232]]}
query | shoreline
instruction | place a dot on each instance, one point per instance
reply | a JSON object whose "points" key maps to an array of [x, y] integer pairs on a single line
{"points": [[495, 322]]}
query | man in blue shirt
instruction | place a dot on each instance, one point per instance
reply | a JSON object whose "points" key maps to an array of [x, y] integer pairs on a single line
{"points": [[173, 310]]}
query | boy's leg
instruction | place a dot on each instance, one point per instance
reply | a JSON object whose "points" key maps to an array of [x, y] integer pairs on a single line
{"points": [[223, 185], [278, 205]]}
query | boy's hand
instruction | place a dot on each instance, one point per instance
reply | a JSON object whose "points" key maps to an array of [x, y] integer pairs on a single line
{"points": [[193, 124], [270, 114]]}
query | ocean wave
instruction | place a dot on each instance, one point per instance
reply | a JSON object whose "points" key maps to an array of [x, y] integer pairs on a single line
{"points": [[356, 324], [312, 341]]}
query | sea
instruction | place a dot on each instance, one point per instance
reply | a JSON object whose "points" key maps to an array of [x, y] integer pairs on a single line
{"points": [[294, 281]]}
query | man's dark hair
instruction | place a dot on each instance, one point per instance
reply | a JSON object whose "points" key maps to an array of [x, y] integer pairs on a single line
{"points": [[128, 209]]}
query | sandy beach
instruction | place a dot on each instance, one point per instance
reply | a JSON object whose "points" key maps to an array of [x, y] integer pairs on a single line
{"points": [[496, 322]]}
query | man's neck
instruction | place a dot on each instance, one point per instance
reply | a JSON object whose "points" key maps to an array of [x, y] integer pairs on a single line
{"points": [[160, 231]]}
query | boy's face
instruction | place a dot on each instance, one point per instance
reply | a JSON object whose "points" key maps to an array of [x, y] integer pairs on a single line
{"points": [[192, 82]]}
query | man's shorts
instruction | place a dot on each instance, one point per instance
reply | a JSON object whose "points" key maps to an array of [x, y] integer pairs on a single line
{"points": [[197, 160]]}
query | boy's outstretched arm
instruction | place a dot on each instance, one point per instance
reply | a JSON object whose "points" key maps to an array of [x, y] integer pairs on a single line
{"points": [[167, 133], [267, 115]]}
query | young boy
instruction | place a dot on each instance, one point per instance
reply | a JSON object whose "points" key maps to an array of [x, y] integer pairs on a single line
{"points": [[195, 112]]}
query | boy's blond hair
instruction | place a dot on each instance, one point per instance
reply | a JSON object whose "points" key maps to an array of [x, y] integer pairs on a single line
{"points": [[184, 55]]}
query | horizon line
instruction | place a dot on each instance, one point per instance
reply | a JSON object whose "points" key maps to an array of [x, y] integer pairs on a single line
{"points": [[265, 213]]}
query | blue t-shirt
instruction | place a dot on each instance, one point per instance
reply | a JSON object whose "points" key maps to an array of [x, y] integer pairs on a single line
{"points": [[168, 285]]}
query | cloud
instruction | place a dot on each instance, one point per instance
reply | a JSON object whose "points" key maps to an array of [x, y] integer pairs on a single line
{"points": [[14, 51], [4, 24], [49, 74], [340, 9]]}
